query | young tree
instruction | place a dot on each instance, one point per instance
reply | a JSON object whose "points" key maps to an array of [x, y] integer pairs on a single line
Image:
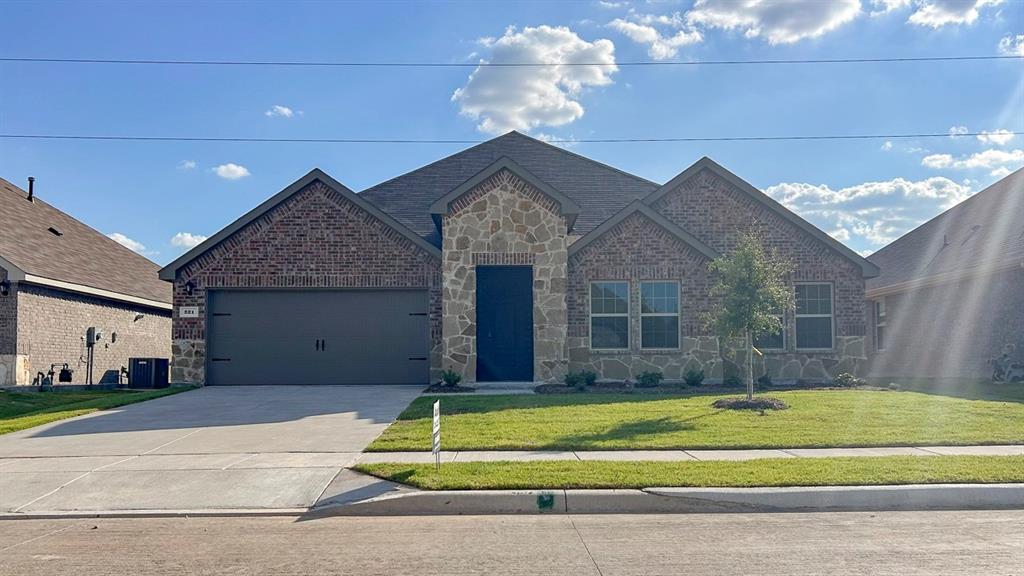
{"points": [[751, 291]]}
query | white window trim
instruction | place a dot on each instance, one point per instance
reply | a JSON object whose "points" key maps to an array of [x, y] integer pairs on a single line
{"points": [[591, 315], [785, 339], [831, 317], [878, 324], [677, 314]]}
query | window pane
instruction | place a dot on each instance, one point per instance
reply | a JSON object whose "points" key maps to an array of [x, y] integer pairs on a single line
{"points": [[659, 298], [609, 298], [770, 341], [609, 332], [660, 332], [813, 298], [813, 332], [880, 338]]}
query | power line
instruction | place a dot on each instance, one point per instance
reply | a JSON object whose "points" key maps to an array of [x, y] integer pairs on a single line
{"points": [[467, 141], [384, 64]]}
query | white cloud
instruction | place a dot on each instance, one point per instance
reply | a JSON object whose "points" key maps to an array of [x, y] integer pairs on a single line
{"points": [[886, 146], [957, 131], [998, 137], [939, 13], [987, 159], [1012, 45], [282, 111], [886, 6], [1001, 172], [777, 21], [133, 245], [187, 165], [187, 240], [611, 5], [523, 98], [873, 212], [231, 171], [640, 28]]}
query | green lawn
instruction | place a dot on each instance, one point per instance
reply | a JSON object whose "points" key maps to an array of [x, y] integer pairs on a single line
{"points": [[21, 410], [769, 472], [816, 418]]}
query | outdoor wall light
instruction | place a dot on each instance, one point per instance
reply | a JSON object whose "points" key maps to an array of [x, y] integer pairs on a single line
{"points": [[189, 287], [5, 288]]}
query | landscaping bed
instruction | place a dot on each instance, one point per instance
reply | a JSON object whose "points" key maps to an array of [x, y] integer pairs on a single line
{"points": [[814, 419], [861, 471], [21, 410]]}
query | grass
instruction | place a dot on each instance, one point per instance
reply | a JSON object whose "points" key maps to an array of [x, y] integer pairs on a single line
{"points": [[768, 472], [21, 410], [816, 418]]}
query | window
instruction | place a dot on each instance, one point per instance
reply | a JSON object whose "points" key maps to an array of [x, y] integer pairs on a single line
{"points": [[773, 341], [880, 325], [814, 316], [659, 315], [609, 315]]}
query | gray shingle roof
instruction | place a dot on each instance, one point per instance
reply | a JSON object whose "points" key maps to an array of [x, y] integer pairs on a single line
{"points": [[80, 255], [599, 190], [985, 229]]}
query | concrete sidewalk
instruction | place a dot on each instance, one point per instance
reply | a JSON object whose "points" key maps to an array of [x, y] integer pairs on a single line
{"points": [[685, 455]]}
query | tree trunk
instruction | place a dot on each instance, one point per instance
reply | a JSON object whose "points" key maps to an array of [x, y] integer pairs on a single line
{"points": [[750, 366]]}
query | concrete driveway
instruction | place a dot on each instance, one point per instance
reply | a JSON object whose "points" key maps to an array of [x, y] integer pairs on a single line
{"points": [[211, 448]]}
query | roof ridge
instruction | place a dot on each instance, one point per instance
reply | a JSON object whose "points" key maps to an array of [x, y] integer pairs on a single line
{"points": [[582, 157], [429, 164]]}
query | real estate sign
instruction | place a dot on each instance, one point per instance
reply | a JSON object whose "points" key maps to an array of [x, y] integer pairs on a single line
{"points": [[437, 433]]}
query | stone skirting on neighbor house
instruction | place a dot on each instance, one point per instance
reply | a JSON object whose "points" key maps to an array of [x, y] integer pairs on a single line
{"points": [[703, 353], [505, 221], [15, 370]]}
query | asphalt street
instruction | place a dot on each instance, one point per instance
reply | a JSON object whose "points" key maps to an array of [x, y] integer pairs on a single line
{"points": [[987, 543]]}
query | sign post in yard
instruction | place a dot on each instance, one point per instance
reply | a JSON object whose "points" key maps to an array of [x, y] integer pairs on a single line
{"points": [[437, 434]]}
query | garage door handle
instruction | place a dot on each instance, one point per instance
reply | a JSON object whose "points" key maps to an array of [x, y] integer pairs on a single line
{"points": [[323, 345], [317, 345]]}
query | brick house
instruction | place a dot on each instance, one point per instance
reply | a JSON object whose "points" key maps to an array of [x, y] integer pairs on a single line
{"points": [[58, 277], [950, 296], [511, 260]]}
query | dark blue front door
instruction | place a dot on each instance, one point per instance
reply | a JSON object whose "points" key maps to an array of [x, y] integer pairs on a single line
{"points": [[504, 323]]}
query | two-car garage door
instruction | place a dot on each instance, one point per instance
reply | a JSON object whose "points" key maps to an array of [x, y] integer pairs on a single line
{"points": [[317, 337]]}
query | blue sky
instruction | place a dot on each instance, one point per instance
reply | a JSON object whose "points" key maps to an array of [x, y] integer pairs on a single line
{"points": [[162, 197]]}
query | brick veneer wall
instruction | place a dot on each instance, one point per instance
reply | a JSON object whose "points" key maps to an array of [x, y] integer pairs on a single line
{"points": [[52, 324], [952, 330], [715, 212], [315, 239], [8, 318], [504, 220]]}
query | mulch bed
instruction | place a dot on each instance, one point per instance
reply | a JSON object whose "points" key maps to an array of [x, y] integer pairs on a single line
{"points": [[445, 389], [760, 403]]}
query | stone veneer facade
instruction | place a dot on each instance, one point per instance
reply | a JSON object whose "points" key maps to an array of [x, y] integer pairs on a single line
{"points": [[505, 221], [316, 238], [716, 213]]}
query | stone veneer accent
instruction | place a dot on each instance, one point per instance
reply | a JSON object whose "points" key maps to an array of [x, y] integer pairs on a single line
{"points": [[504, 221], [316, 238]]}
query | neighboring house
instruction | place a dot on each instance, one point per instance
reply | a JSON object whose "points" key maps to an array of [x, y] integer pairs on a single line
{"points": [[511, 260], [950, 297], [58, 277]]}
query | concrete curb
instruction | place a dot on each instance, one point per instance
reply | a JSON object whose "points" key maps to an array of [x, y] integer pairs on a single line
{"points": [[689, 500], [196, 513]]}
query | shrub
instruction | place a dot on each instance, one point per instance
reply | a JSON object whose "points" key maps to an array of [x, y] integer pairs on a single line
{"points": [[764, 380], [693, 377], [574, 380], [451, 377], [649, 379], [733, 380], [760, 403], [847, 380], [589, 377]]}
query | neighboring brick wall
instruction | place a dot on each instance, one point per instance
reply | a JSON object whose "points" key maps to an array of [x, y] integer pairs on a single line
{"points": [[315, 239], [52, 323], [952, 330], [716, 212], [8, 318]]}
